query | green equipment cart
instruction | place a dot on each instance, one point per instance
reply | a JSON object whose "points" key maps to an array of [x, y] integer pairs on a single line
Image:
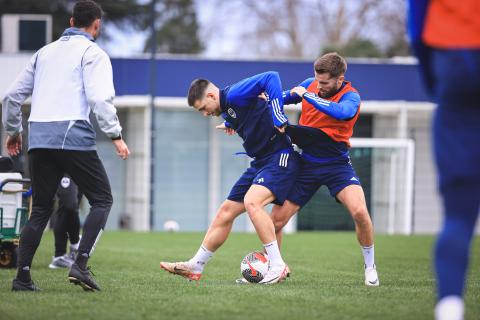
{"points": [[15, 206]]}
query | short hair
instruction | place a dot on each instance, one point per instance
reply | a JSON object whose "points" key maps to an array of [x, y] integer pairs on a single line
{"points": [[197, 90], [331, 63], [85, 12]]}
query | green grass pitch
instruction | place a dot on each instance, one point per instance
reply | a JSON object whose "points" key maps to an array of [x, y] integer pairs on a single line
{"points": [[326, 282]]}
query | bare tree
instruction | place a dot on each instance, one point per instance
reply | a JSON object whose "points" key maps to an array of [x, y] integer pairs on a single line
{"points": [[301, 28]]}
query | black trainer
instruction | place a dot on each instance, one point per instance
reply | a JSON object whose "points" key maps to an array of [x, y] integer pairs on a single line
{"points": [[18, 285], [83, 278]]}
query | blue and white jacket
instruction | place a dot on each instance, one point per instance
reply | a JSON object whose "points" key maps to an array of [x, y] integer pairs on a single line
{"points": [[255, 119], [67, 79]]}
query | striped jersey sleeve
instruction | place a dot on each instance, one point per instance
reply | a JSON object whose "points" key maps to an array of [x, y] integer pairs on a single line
{"points": [[289, 98], [345, 109], [269, 83]]}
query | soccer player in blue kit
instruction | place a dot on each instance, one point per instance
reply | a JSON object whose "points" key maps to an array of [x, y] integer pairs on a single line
{"points": [[445, 36], [261, 125]]}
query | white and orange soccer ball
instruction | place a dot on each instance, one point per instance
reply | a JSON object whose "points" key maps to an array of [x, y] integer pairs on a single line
{"points": [[254, 266]]}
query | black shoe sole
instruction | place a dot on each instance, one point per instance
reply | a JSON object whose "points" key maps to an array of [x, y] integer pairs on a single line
{"points": [[84, 286]]}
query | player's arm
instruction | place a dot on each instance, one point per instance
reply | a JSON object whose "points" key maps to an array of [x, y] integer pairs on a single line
{"points": [[226, 127], [269, 82], [99, 90], [345, 109], [290, 97], [18, 92], [98, 83]]}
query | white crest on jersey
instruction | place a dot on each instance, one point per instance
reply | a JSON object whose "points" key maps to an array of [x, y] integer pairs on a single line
{"points": [[65, 182], [232, 113]]}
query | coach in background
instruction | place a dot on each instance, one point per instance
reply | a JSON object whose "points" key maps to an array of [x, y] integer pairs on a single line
{"points": [[445, 36], [67, 79]]}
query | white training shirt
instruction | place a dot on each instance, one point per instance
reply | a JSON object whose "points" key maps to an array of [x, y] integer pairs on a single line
{"points": [[66, 78]]}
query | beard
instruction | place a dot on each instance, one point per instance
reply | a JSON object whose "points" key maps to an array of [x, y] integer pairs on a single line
{"points": [[327, 94]]}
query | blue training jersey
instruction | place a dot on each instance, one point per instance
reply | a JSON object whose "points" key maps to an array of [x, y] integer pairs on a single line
{"points": [[254, 119]]}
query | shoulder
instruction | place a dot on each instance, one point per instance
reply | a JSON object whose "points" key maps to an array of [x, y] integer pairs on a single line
{"points": [[93, 51], [351, 96], [271, 73], [349, 87], [307, 82]]}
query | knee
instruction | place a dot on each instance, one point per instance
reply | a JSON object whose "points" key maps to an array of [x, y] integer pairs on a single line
{"points": [[252, 207], [279, 221], [103, 200], [224, 216], [279, 224], [360, 215]]}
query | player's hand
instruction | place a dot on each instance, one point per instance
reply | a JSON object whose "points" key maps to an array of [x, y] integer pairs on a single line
{"points": [[263, 96], [14, 145], [282, 128], [299, 91], [227, 130], [122, 148]]}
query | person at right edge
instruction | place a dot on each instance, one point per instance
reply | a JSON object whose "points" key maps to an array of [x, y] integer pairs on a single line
{"points": [[67, 79], [445, 35]]}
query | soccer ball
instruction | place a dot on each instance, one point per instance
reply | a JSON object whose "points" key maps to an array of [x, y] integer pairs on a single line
{"points": [[171, 226], [254, 266]]}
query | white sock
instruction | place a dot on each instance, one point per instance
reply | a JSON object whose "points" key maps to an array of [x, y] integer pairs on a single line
{"points": [[369, 256], [200, 259], [273, 253], [74, 246], [449, 307]]}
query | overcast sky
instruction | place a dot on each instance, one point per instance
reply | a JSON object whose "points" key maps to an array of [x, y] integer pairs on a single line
{"points": [[130, 42]]}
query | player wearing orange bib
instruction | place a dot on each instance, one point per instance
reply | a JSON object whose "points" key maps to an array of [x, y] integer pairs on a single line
{"points": [[330, 108]]}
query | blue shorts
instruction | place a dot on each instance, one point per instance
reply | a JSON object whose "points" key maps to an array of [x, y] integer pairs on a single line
{"points": [[276, 172], [335, 175]]}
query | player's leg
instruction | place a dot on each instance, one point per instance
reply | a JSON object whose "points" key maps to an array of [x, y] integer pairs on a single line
{"points": [[281, 215], [222, 224], [72, 200], [255, 200], [218, 230], [272, 184], [60, 259], [60, 234], [66, 221], [456, 135], [307, 182], [353, 198], [45, 175], [216, 235], [88, 172]]}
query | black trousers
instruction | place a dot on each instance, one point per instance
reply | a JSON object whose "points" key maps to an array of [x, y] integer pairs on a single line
{"points": [[67, 222], [47, 167]]}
